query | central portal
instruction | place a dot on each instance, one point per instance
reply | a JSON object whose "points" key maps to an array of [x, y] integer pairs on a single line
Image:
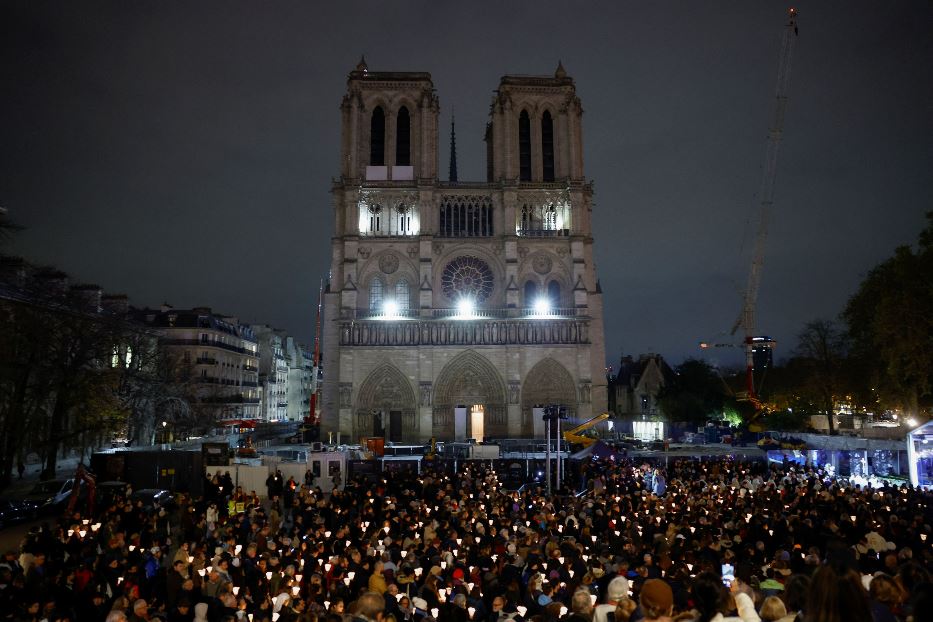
{"points": [[469, 400], [477, 415]]}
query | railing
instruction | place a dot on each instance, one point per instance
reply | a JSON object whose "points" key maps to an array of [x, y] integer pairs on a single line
{"points": [[249, 384], [389, 234], [208, 344], [206, 360], [229, 399], [543, 233], [477, 314], [250, 368], [213, 380], [464, 333]]}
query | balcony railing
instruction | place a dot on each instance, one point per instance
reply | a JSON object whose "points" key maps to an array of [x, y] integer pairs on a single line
{"points": [[206, 360], [229, 399], [250, 368], [213, 380], [208, 344], [475, 332]]}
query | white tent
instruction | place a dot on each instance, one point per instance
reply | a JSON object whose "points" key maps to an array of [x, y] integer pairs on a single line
{"points": [[920, 455]]}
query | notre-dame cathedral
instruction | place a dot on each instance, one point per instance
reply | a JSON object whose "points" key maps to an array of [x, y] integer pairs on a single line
{"points": [[456, 307]]}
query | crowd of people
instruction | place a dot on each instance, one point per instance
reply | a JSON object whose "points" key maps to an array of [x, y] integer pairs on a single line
{"points": [[700, 540]]}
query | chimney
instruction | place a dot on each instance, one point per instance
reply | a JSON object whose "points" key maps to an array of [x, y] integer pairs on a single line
{"points": [[88, 296], [116, 304], [53, 282]]}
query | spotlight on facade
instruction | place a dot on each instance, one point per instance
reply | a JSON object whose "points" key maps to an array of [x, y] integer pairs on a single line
{"points": [[465, 308], [390, 309], [542, 306]]}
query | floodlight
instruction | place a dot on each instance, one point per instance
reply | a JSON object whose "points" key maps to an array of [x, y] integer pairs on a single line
{"points": [[465, 308], [390, 308], [542, 306]]}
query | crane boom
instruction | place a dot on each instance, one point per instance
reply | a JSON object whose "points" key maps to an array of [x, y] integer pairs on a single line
{"points": [[315, 361], [747, 319], [573, 435]]}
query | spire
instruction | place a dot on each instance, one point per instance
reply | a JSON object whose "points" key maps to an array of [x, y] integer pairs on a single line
{"points": [[362, 66], [452, 176], [560, 73]]}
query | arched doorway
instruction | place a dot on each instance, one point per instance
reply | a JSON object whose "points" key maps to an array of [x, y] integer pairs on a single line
{"points": [[386, 406], [470, 380], [548, 382]]}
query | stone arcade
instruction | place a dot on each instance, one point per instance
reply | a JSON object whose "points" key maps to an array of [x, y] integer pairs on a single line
{"points": [[455, 307]]}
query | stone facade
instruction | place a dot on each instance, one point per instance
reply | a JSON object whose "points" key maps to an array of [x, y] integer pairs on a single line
{"points": [[445, 294]]}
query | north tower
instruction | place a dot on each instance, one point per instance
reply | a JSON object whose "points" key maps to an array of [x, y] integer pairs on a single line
{"points": [[454, 308]]}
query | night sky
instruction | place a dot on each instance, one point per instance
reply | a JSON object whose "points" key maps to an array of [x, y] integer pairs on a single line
{"points": [[183, 151]]}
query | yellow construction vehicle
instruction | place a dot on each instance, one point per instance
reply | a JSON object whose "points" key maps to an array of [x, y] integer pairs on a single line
{"points": [[574, 437]]}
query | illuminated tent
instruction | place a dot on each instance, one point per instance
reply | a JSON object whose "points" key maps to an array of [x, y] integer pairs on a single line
{"points": [[920, 455]]}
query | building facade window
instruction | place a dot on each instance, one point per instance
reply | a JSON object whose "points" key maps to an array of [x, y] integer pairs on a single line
{"points": [[403, 138], [553, 293], [547, 146], [375, 219], [524, 146], [404, 219], [531, 292], [377, 138], [403, 295], [467, 277], [549, 219], [465, 217], [375, 294]]}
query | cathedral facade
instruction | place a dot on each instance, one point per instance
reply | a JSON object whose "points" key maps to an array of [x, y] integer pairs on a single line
{"points": [[454, 307]]}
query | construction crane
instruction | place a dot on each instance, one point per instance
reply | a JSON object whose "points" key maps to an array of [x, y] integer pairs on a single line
{"points": [[747, 317], [310, 429]]}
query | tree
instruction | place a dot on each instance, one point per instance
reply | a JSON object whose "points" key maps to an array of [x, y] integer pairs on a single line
{"points": [[821, 351], [891, 325], [696, 395], [64, 369]]}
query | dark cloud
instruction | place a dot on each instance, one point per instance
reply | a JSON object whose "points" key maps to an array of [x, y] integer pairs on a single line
{"points": [[184, 151]]}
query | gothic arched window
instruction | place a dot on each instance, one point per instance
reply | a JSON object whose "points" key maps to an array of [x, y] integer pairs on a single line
{"points": [[553, 293], [403, 138], [377, 138], [375, 294], [524, 146], [403, 295], [531, 292], [547, 145]]}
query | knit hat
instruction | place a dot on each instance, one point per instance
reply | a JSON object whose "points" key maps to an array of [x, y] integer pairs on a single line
{"points": [[656, 594]]}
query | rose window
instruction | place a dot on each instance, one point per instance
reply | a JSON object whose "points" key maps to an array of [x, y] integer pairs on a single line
{"points": [[467, 277]]}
